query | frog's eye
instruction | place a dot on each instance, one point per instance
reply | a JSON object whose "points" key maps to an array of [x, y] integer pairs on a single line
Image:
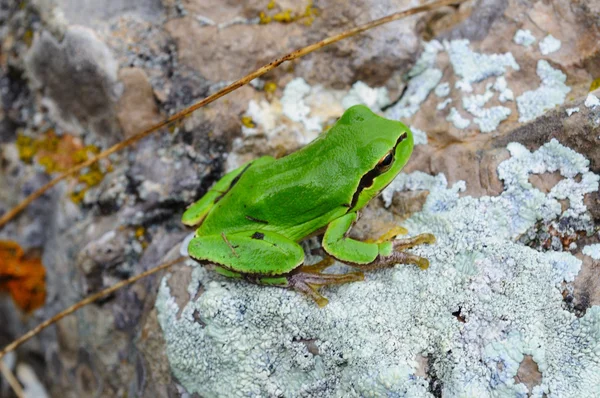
{"points": [[385, 163]]}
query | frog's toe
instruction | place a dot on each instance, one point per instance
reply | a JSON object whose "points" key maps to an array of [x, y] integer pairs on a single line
{"points": [[391, 234], [309, 283], [407, 243], [396, 257]]}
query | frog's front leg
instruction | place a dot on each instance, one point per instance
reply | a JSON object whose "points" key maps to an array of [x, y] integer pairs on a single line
{"points": [[368, 256]]}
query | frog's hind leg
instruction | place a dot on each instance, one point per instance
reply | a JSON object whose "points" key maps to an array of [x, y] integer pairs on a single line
{"points": [[308, 280], [253, 254]]}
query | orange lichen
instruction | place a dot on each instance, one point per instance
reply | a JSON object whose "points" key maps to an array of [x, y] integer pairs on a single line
{"points": [[22, 276], [58, 153]]}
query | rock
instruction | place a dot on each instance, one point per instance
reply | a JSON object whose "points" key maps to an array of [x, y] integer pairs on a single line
{"points": [[507, 297], [132, 62], [79, 76], [137, 109], [90, 12]]}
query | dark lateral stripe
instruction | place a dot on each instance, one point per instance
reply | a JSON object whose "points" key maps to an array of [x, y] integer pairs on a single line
{"points": [[367, 179]]}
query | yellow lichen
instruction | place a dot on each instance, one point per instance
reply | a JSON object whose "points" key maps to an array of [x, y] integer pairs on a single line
{"points": [[270, 87], [140, 232], [60, 153], [284, 16], [77, 196], [247, 122], [310, 13], [264, 18], [288, 16], [28, 37], [26, 148], [140, 235], [595, 84]]}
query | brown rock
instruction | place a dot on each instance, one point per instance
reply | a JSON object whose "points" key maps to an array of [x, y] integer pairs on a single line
{"points": [[528, 373], [137, 109]]}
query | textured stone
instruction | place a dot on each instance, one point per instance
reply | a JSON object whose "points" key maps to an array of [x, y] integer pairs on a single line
{"points": [[136, 60], [137, 109]]}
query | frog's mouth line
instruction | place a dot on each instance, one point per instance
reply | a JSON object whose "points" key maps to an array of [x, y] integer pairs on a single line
{"points": [[368, 178]]}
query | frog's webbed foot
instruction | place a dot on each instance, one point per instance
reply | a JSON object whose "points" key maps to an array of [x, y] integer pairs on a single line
{"points": [[398, 256], [309, 278]]}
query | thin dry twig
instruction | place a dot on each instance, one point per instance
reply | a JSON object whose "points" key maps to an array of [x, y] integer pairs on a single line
{"points": [[12, 380], [233, 86], [88, 300]]}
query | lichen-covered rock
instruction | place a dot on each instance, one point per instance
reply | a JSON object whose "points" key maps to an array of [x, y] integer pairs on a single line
{"points": [[104, 70], [484, 304]]}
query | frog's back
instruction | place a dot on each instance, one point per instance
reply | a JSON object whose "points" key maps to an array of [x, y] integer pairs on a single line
{"points": [[294, 196], [299, 194]]}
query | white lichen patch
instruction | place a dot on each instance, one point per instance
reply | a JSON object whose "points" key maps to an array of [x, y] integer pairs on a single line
{"points": [[592, 250], [552, 92], [419, 136], [442, 105], [504, 93], [524, 37], [427, 59], [457, 119], [418, 89], [571, 111], [361, 93], [239, 340], [474, 67], [487, 119], [424, 77], [549, 44], [294, 106], [591, 101], [442, 89]]}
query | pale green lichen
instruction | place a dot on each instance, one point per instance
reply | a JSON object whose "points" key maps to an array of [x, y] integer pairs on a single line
{"points": [[457, 119], [239, 340], [504, 93], [524, 37], [487, 119], [474, 67], [592, 250], [591, 101], [419, 136], [361, 93], [442, 89], [549, 44], [442, 105], [424, 77], [551, 92]]}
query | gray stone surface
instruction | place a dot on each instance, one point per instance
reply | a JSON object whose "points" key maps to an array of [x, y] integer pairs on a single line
{"points": [[102, 70]]}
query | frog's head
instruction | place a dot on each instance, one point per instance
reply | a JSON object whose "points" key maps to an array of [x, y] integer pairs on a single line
{"points": [[382, 149]]}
